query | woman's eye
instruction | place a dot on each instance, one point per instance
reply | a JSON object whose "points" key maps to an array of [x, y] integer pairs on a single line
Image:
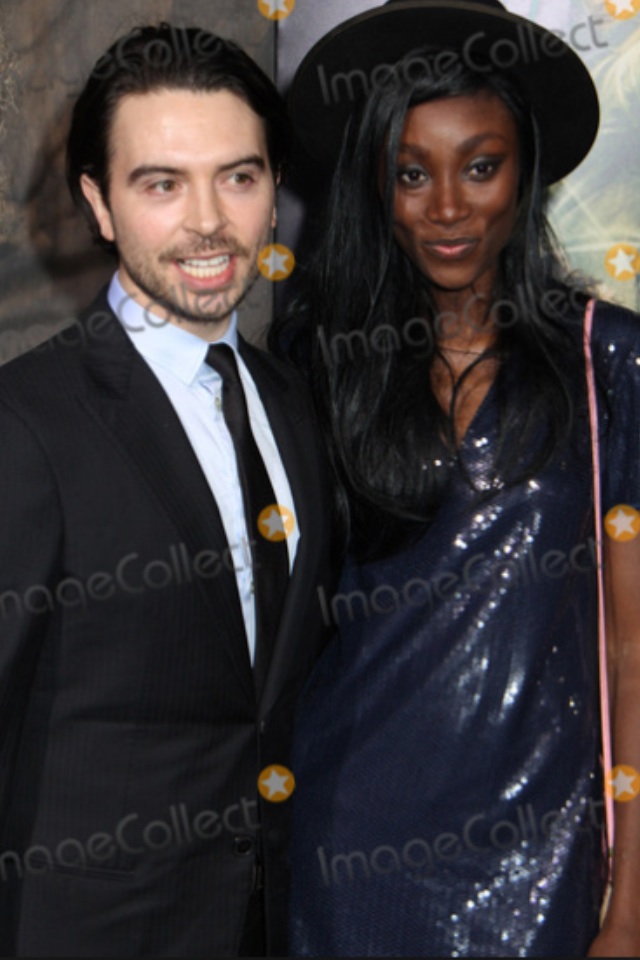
{"points": [[483, 169], [411, 176]]}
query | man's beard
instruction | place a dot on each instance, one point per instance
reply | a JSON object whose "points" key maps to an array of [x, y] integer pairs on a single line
{"points": [[174, 301]]}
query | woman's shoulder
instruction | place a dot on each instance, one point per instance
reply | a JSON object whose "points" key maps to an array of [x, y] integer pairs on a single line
{"points": [[616, 360], [615, 326], [616, 348]]}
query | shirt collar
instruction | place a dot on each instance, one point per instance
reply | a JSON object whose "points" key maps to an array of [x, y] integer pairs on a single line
{"points": [[161, 342]]}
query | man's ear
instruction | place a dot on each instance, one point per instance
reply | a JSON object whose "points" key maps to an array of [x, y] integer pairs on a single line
{"points": [[274, 215], [93, 196]]}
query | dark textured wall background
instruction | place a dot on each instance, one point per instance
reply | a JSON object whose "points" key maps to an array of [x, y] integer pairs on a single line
{"points": [[48, 265]]}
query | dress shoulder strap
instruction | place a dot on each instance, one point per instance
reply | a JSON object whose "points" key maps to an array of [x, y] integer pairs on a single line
{"points": [[605, 715]]}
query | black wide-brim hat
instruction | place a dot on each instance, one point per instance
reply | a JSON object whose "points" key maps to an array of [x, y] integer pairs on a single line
{"points": [[346, 64]]}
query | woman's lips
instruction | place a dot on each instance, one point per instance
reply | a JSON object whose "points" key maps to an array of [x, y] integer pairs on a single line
{"points": [[451, 249]]}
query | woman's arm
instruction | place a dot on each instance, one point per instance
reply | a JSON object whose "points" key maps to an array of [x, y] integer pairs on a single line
{"points": [[620, 935]]}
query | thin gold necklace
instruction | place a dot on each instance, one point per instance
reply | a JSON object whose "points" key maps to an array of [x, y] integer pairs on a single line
{"points": [[473, 353]]}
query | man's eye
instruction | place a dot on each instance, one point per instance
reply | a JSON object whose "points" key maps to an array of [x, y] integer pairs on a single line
{"points": [[242, 178], [162, 186]]}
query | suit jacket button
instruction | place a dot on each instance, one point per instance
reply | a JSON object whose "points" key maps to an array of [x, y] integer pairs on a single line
{"points": [[242, 846]]}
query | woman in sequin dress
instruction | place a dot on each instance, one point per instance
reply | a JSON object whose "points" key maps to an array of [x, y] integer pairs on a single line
{"points": [[450, 789]]}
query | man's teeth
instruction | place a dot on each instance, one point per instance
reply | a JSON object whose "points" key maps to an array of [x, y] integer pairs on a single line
{"points": [[210, 267]]}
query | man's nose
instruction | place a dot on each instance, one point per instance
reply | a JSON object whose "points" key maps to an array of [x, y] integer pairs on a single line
{"points": [[205, 211]]}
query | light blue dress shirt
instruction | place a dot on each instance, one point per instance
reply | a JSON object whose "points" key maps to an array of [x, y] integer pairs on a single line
{"points": [[177, 358]]}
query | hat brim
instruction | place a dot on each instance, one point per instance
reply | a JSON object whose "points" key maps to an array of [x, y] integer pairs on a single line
{"points": [[362, 53]]}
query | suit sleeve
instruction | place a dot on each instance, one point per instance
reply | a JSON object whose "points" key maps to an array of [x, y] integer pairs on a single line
{"points": [[30, 558]]}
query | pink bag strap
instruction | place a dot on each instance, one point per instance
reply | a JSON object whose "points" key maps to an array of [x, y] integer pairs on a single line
{"points": [[605, 717]]}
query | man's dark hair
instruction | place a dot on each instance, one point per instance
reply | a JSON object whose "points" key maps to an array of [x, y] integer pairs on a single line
{"points": [[163, 58]]}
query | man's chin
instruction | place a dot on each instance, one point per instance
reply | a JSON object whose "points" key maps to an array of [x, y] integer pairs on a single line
{"points": [[204, 313], [201, 318]]}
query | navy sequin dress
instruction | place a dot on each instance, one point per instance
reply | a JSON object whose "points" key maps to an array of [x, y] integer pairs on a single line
{"points": [[449, 793]]}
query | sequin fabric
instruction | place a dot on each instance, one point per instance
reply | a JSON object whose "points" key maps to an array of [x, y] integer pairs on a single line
{"points": [[449, 793]]}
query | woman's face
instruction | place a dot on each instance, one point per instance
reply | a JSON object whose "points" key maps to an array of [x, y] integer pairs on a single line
{"points": [[456, 192]]}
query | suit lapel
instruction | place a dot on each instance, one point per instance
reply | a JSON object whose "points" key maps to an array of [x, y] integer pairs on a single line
{"points": [[126, 398]]}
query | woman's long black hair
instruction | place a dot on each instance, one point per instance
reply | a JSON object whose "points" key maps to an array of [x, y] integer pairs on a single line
{"points": [[364, 301]]}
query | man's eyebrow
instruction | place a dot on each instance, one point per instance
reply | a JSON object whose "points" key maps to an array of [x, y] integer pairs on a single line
{"points": [[254, 160], [156, 170], [150, 170]]}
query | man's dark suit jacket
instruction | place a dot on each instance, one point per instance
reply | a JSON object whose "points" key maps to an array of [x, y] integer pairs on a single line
{"points": [[131, 732]]}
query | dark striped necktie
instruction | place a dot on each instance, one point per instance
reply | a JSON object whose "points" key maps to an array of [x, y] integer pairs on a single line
{"points": [[270, 557]]}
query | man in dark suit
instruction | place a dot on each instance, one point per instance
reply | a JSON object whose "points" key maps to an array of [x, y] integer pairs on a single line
{"points": [[163, 539]]}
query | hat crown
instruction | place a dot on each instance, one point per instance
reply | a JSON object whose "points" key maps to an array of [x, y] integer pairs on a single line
{"points": [[388, 41], [494, 4]]}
